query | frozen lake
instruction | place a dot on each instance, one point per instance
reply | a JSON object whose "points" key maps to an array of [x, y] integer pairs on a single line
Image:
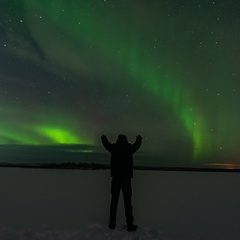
{"points": [[183, 205]]}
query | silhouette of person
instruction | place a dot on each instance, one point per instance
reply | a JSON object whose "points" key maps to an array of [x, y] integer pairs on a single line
{"points": [[121, 173]]}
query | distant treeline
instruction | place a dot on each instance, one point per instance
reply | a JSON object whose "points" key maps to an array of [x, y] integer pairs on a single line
{"points": [[70, 165], [98, 166], [66, 165]]}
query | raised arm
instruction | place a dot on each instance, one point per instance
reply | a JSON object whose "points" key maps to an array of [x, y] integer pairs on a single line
{"points": [[106, 143], [137, 144]]}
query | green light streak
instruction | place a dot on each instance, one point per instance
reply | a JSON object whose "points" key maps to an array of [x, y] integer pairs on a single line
{"points": [[9, 135], [47, 129], [58, 135], [39, 135], [182, 103]]}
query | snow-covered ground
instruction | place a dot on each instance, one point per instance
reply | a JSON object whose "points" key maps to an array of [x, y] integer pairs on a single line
{"points": [[74, 204], [91, 232]]}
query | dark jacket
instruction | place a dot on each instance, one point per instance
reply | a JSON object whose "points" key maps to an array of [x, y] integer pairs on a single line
{"points": [[122, 156]]}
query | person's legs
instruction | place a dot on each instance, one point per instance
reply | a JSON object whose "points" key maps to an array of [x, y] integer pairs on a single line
{"points": [[127, 194], [115, 191]]}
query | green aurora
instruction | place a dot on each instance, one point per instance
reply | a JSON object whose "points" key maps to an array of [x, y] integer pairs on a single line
{"points": [[165, 55]]}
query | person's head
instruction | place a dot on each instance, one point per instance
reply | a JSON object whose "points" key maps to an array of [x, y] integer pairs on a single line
{"points": [[122, 139]]}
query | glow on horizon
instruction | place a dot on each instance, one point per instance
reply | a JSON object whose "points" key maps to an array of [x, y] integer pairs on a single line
{"points": [[229, 166]]}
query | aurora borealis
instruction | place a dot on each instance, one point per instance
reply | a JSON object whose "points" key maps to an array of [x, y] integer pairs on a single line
{"points": [[167, 70]]}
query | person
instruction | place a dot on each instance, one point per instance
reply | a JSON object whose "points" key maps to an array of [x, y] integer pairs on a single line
{"points": [[121, 173]]}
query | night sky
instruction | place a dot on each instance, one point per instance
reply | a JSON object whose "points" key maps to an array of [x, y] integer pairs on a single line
{"points": [[167, 70]]}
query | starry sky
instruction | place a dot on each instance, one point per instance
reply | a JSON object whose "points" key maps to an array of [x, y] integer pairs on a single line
{"points": [[167, 70]]}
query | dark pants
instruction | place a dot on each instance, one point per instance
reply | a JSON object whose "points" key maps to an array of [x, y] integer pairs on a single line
{"points": [[125, 186]]}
